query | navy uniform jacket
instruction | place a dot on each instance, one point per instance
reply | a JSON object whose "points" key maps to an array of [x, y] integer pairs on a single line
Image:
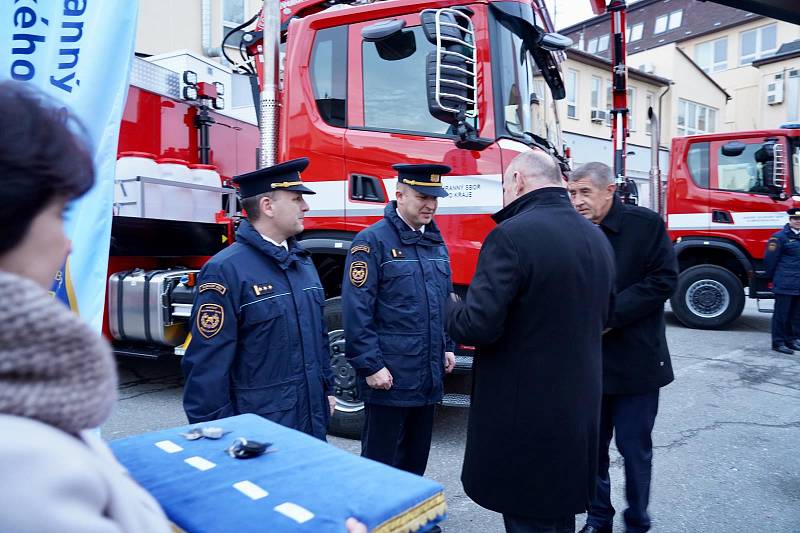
{"points": [[782, 261], [259, 342], [395, 285]]}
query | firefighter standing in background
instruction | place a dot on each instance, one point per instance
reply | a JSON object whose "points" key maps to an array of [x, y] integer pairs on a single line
{"points": [[259, 342], [782, 262], [396, 281]]}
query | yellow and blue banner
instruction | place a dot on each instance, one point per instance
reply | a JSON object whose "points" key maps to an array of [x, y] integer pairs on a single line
{"points": [[79, 52]]}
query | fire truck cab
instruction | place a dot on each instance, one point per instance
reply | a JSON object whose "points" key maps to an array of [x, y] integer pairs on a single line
{"points": [[727, 193]]}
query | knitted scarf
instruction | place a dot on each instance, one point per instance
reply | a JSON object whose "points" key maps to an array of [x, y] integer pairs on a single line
{"points": [[53, 367]]}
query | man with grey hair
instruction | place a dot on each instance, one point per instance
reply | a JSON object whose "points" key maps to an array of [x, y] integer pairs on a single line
{"points": [[636, 362], [535, 312]]}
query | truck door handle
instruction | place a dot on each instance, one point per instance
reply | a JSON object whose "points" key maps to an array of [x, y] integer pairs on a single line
{"points": [[366, 189], [721, 217]]}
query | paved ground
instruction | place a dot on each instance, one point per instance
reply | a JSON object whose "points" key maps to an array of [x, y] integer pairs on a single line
{"points": [[727, 438]]}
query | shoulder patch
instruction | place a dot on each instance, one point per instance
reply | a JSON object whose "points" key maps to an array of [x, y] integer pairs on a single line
{"points": [[213, 287], [210, 319], [360, 248], [358, 273], [773, 244]]}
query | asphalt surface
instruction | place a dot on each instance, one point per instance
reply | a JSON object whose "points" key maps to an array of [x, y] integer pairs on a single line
{"points": [[727, 438]]}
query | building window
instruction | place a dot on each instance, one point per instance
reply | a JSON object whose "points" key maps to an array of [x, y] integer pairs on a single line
{"points": [[233, 14], [572, 93], [650, 101], [609, 101], [694, 118], [329, 74], [668, 22], [591, 46], [596, 92], [793, 96], [757, 43], [602, 43], [634, 33], [631, 108], [712, 56]]}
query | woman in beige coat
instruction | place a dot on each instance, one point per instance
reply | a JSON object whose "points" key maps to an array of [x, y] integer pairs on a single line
{"points": [[57, 376]]}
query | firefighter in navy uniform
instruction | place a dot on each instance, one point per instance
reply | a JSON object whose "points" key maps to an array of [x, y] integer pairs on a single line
{"points": [[782, 263], [259, 342], [396, 281]]}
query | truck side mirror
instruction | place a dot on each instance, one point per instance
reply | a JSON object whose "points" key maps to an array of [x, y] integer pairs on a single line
{"points": [[450, 72], [391, 42], [733, 149]]}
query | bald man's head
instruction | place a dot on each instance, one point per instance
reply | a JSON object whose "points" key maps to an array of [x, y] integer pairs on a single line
{"points": [[530, 170]]}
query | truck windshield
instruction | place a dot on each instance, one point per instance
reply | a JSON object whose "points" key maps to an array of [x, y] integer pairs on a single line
{"points": [[527, 103]]}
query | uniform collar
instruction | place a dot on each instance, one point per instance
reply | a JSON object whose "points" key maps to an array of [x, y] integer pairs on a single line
{"points": [[613, 219], [431, 236], [543, 196], [284, 244], [248, 235]]}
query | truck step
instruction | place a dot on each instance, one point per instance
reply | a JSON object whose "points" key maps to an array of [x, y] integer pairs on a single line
{"points": [[456, 400]]}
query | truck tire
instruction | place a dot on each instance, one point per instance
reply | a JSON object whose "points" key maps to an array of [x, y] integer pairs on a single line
{"points": [[348, 415], [707, 297]]}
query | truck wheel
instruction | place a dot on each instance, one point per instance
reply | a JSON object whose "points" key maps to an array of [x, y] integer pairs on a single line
{"points": [[708, 297], [348, 415]]}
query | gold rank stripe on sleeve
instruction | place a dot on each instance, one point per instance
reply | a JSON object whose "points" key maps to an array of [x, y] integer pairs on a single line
{"points": [[213, 287], [359, 248]]}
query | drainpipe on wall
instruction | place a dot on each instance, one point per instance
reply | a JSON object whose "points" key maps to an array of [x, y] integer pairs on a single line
{"points": [[205, 31]]}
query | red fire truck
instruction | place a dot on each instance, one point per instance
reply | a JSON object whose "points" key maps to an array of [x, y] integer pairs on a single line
{"points": [[364, 86], [727, 193]]}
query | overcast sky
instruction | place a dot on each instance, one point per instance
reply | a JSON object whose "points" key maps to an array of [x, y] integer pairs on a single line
{"points": [[568, 12]]}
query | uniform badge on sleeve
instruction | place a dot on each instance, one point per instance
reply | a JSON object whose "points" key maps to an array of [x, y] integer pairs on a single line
{"points": [[360, 248], [773, 245], [210, 318], [213, 287], [358, 273]]}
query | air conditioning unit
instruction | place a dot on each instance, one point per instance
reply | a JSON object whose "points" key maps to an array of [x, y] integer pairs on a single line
{"points": [[599, 115], [647, 68], [775, 91]]}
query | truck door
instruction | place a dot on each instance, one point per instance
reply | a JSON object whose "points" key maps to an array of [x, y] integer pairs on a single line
{"points": [[389, 122], [740, 199]]}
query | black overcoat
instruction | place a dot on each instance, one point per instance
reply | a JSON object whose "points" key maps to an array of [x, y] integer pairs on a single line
{"points": [[635, 355], [535, 311]]}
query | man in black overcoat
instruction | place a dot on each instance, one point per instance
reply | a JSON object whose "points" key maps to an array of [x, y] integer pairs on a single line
{"points": [[535, 311], [636, 362]]}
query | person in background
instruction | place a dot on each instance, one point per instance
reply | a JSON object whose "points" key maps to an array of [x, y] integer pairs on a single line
{"points": [[57, 377], [636, 361], [782, 263], [535, 312]]}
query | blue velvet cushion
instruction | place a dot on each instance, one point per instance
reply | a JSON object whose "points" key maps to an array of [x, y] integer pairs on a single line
{"points": [[327, 482]]}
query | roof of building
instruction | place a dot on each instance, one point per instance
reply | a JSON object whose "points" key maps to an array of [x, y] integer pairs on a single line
{"points": [[698, 18], [704, 73], [786, 51], [598, 61]]}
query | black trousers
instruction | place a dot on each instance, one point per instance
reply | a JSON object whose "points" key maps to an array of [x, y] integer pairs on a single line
{"points": [[630, 418], [785, 319], [398, 436], [526, 524]]}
